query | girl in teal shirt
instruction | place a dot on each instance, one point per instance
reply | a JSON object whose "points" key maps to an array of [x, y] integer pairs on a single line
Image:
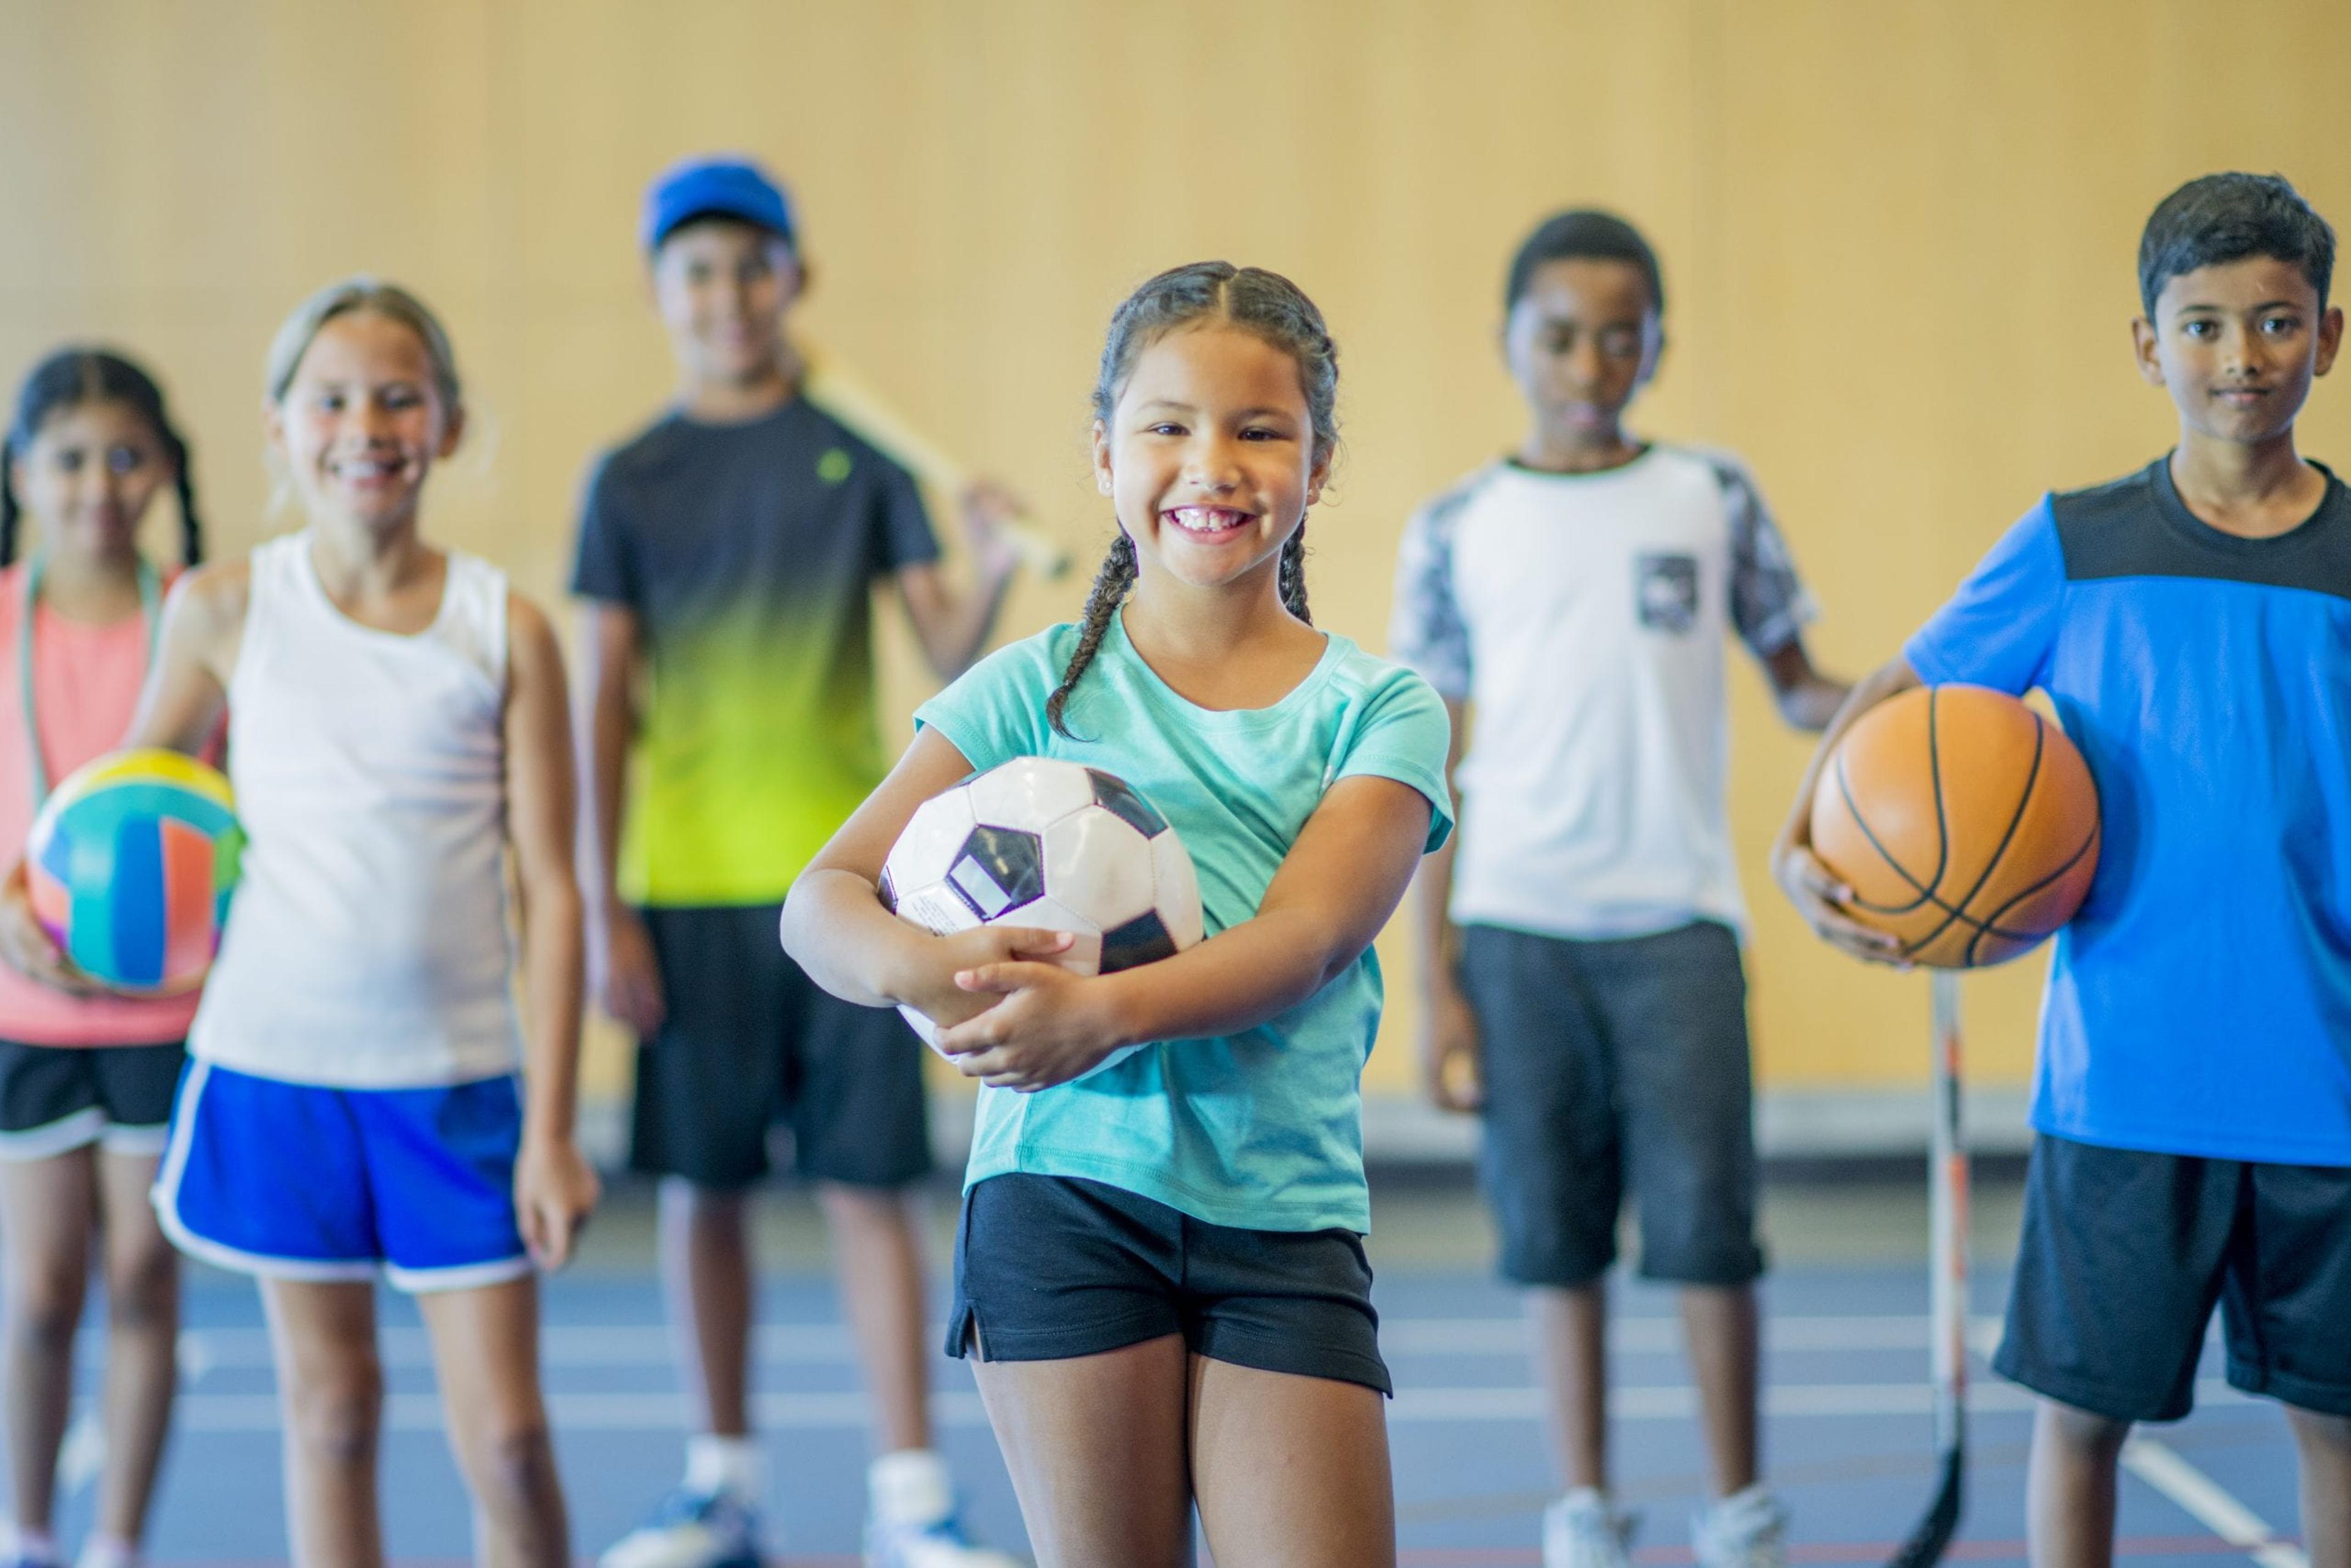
{"points": [[1160, 1270]]}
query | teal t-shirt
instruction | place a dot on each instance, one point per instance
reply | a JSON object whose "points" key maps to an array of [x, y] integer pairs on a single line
{"points": [[1264, 1129]]}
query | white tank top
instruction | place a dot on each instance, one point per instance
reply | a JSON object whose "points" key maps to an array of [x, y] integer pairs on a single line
{"points": [[367, 946]]}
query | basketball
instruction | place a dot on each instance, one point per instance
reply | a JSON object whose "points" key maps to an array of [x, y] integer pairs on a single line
{"points": [[1965, 823], [131, 866]]}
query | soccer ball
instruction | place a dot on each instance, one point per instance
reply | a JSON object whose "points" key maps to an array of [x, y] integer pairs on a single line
{"points": [[1051, 845]]}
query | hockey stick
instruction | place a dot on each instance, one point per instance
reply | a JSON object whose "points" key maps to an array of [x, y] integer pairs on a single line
{"points": [[850, 400], [1947, 1189]]}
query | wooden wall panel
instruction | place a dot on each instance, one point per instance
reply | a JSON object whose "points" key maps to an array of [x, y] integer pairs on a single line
{"points": [[1899, 238]]}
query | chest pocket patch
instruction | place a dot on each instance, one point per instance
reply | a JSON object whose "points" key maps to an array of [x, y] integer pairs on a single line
{"points": [[1664, 590]]}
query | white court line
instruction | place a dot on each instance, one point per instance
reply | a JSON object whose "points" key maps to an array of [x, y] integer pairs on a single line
{"points": [[2161, 1467], [848, 1410], [647, 1345]]}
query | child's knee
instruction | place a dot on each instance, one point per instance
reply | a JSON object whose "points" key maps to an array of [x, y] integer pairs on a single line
{"points": [[337, 1419], [45, 1306], [515, 1467], [2082, 1433], [2321, 1434], [142, 1284], [864, 1208]]}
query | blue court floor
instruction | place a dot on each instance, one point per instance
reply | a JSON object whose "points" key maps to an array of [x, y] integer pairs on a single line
{"points": [[1849, 1436]]}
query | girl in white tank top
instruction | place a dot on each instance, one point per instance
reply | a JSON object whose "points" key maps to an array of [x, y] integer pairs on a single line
{"points": [[397, 723]]}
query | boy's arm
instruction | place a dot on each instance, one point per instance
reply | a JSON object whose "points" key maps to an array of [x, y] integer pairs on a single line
{"points": [[1448, 1026], [625, 977], [1810, 887], [952, 623], [554, 1187], [1807, 699]]}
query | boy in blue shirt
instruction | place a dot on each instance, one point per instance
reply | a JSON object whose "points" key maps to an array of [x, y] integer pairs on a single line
{"points": [[2192, 1103]]}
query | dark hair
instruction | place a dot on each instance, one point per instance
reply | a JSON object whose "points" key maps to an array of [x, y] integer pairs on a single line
{"points": [[1586, 232], [70, 378], [2228, 217], [1263, 303]]}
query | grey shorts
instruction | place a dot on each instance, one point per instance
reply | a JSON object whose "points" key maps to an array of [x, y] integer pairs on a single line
{"points": [[1609, 1065]]}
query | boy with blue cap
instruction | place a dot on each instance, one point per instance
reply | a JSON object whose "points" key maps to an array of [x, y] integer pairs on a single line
{"points": [[727, 555]]}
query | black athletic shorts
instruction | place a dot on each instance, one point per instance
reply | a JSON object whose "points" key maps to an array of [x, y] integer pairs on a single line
{"points": [[54, 1098], [2125, 1253], [1049, 1268], [1609, 1065], [750, 1040]]}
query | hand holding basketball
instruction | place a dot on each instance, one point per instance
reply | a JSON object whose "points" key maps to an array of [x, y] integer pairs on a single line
{"points": [[1954, 822]]}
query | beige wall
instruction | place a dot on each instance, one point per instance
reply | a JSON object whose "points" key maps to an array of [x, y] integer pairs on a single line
{"points": [[1898, 237]]}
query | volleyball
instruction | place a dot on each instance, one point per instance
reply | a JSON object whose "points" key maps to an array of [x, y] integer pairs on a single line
{"points": [[131, 866]]}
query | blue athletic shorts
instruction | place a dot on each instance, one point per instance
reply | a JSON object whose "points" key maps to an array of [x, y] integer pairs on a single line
{"points": [[293, 1181]]}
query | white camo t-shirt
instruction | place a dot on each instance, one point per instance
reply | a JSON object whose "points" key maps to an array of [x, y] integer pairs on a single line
{"points": [[1583, 617]]}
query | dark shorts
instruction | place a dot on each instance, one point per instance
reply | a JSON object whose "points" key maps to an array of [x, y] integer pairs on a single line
{"points": [[2125, 1253], [1050, 1267], [1608, 1065], [750, 1040], [57, 1098]]}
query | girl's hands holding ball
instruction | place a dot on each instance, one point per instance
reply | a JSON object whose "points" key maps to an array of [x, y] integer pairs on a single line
{"points": [[933, 990], [1052, 1026]]}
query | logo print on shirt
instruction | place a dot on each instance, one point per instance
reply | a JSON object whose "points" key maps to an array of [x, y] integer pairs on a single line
{"points": [[833, 466], [1665, 591]]}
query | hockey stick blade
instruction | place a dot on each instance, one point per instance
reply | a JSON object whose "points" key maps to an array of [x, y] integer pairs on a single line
{"points": [[1936, 1527]]}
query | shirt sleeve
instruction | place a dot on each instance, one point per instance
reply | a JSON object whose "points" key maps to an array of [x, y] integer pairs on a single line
{"points": [[1425, 630], [604, 566], [995, 711], [2001, 627], [1404, 734], [1768, 603], [901, 523]]}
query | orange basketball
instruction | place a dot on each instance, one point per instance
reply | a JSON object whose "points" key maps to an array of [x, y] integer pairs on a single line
{"points": [[1964, 822]]}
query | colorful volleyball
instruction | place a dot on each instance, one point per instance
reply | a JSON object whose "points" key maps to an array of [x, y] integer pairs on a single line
{"points": [[131, 866]]}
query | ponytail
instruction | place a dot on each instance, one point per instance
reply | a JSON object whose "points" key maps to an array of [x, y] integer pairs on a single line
{"points": [[1109, 592], [9, 510]]}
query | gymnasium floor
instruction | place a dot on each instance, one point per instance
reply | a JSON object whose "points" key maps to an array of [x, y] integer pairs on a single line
{"points": [[1848, 1427]]}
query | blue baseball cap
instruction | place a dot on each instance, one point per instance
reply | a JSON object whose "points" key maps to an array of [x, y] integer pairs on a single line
{"points": [[715, 187]]}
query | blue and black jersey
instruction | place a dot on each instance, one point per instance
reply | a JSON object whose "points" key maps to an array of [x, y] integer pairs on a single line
{"points": [[2200, 1002]]}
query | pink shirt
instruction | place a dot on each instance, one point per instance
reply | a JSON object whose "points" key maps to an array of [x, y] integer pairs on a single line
{"points": [[86, 683]]}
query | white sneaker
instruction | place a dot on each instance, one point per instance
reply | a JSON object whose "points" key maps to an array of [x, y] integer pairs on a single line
{"points": [[690, 1530], [1582, 1531], [1746, 1529], [942, 1543]]}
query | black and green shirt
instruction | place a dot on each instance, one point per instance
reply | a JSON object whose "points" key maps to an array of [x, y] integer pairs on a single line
{"points": [[748, 553]]}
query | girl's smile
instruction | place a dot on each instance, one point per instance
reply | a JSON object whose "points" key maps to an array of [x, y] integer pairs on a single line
{"points": [[361, 423], [1209, 455]]}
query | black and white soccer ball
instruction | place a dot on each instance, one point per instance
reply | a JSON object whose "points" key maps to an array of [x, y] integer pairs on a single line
{"points": [[1053, 844]]}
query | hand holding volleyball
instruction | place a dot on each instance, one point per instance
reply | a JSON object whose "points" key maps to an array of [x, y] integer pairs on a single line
{"points": [[129, 871]]}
